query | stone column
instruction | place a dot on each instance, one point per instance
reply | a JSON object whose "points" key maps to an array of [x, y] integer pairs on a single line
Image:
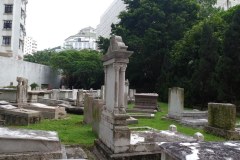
{"points": [[122, 88], [116, 93], [103, 93], [126, 94], [105, 82]]}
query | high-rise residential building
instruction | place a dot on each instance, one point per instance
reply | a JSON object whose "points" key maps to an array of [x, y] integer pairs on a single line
{"points": [[110, 17], [84, 39], [226, 4], [30, 45], [12, 26]]}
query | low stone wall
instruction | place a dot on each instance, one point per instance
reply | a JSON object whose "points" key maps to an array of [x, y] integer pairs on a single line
{"points": [[40, 74]]}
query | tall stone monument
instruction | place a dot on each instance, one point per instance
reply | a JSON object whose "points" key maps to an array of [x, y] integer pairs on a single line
{"points": [[22, 89], [114, 132]]}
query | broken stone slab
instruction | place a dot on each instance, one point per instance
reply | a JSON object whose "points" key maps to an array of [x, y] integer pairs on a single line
{"points": [[22, 141], [132, 120], [200, 151], [48, 112], [195, 123], [4, 102], [75, 152]]}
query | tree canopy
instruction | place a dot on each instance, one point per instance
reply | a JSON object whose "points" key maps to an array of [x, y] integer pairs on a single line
{"points": [[82, 69], [40, 57], [206, 61], [150, 28], [184, 43]]}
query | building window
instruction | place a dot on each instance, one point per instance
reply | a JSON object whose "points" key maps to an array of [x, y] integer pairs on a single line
{"points": [[8, 8], [22, 14], [6, 41], [7, 24], [21, 45]]}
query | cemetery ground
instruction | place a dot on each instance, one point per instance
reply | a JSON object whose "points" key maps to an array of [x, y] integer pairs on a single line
{"points": [[72, 130]]}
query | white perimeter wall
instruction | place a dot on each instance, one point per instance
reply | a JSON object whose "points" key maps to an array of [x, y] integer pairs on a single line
{"points": [[10, 69]]}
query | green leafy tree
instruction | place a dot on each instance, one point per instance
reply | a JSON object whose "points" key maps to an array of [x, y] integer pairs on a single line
{"points": [[207, 8], [103, 44], [228, 68], [80, 68], [150, 28], [40, 57], [194, 59]]}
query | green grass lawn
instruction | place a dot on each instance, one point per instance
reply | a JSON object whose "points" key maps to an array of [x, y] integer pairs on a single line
{"points": [[163, 124], [72, 131]]}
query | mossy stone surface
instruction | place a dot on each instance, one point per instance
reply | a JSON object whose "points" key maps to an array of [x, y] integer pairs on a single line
{"points": [[222, 115]]}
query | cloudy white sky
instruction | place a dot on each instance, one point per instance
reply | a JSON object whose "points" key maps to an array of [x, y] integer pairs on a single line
{"points": [[49, 22]]}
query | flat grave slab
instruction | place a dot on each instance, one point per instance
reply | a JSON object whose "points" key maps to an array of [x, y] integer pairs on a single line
{"points": [[48, 112], [25, 141], [142, 115], [196, 123], [21, 116], [7, 107], [201, 151], [138, 110], [195, 114], [145, 142]]}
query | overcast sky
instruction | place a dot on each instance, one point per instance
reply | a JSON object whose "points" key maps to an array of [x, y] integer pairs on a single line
{"points": [[49, 22]]}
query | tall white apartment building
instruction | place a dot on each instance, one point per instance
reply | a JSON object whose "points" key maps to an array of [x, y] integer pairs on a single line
{"points": [[110, 17], [30, 45], [12, 28], [226, 4], [84, 39]]}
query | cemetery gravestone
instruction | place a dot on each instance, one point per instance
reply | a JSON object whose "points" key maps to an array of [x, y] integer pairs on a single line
{"points": [[221, 120], [146, 101], [55, 94], [80, 98], [114, 132], [22, 88], [97, 112], [175, 102], [88, 109]]}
